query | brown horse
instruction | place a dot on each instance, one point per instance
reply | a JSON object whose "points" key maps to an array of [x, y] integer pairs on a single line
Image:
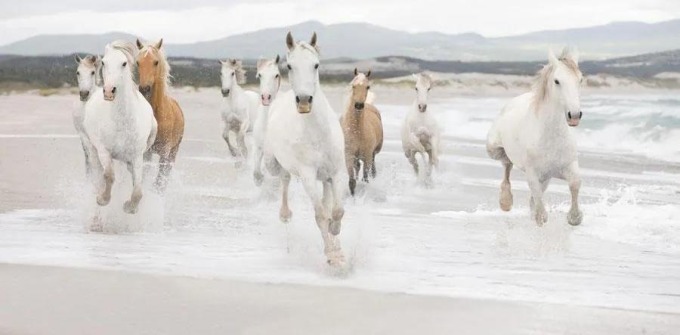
{"points": [[154, 79], [362, 126]]}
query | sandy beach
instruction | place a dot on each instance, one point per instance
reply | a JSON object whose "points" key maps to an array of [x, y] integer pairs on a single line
{"points": [[212, 257]]}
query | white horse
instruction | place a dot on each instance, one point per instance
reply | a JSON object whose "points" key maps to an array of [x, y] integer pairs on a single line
{"points": [[239, 110], [420, 132], [119, 123], [270, 81], [305, 139], [532, 132], [89, 79]]}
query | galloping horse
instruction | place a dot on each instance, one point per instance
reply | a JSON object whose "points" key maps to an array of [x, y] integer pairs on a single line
{"points": [[305, 139], [532, 132], [363, 130], [154, 81], [119, 123], [88, 75], [420, 131], [239, 110], [270, 81]]}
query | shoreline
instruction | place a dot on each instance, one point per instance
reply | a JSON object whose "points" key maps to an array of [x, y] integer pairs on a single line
{"points": [[127, 302]]}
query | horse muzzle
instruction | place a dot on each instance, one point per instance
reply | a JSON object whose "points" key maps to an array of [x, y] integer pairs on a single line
{"points": [[266, 99], [109, 93], [146, 91], [573, 119], [84, 95], [304, 103], [225, 92], [359, 106], [422, 108]]}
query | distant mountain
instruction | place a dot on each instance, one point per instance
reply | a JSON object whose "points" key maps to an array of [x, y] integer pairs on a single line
{"points": [[362, 40]]}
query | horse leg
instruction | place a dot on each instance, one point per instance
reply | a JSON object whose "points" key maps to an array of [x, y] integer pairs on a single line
{"points": [[225, 136], [148, 155], [351, 162], [284, 213], [331, 243], [257, 172], [536, 185], [573, 178], [136, 167], [337, 209], [107, 165], [411, 156], [368, 166], [165, 164], [374, 173], [241, 141], [506, 188]]}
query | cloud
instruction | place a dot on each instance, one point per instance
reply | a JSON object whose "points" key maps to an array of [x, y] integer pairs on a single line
{"points": [[188, 21]]}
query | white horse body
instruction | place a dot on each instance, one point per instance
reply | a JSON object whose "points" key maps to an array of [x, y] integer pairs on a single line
{"points": [[420, 133], [532, 132], [119, 123], [270, 82], [305, 138], [239, 107]]}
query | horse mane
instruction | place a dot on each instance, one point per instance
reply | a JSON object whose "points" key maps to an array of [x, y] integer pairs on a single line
{"points": [[163, 63], [426, 78], [96, 63], [541, 85], [307, 46], [127, 48], [237, 66]]}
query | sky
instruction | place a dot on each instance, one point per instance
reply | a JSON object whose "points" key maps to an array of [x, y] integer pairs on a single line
{"points": [[200, 20]]}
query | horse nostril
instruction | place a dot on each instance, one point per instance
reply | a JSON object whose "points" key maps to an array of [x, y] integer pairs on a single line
{"points": [[297, 99], [310, 99], [569, 114], [580, 114], [113, 90]]}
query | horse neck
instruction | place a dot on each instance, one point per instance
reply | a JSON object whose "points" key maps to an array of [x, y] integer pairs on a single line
{"points": [[552, 120], [236, 92], [158, 94], [128, 91]]}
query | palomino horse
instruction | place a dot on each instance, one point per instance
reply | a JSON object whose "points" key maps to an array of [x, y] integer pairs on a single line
{"points": [[420, 131], [154, 81], [305, 139], [119, 123], [240, 106], [88, 75], [363, 130], [270, 81], [532, 132]]}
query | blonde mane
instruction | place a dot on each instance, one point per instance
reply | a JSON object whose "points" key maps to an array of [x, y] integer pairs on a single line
{"points": [[163, 63]]}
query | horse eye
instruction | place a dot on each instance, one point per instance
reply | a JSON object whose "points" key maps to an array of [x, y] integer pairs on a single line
{"points": [[77, 73], [289, 67], [316, 66], [368, 87], [416, 89], [557, 82], [233, 73], [429, 89], [92, 73], [155, 63], [277, 76], [124, 63]]}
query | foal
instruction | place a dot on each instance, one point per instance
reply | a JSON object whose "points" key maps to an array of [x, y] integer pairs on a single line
{"points": [[363, 130]]}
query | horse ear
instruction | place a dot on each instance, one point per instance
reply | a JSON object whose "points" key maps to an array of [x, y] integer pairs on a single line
{"points": [[139, 44], [92, 59], [414, 76], [77, 58], [570, 53], [368, 74], [313, 41], [290, 42], [552, 58], [355, 71], [277, 59], [222, 62], [159, 44]]}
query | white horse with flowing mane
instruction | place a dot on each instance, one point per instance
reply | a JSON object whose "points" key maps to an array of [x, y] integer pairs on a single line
{"points": [[239, 110], [532, 132], [305, 139], [270, 82], [119, 123], [88, 75], [420, 131]]}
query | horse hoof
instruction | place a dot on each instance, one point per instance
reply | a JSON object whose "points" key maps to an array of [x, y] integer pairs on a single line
{"points": [[336, 260], [258, 177], [96, 226], [129, 207], [103, 200], [285, 215], [541, 218], [575, 217]]}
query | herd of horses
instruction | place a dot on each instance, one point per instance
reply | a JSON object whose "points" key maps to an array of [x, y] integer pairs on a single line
{"points": [[297, 133]]}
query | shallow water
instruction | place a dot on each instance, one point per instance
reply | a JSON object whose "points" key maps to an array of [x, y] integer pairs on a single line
{"points": [[398, 235]]}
